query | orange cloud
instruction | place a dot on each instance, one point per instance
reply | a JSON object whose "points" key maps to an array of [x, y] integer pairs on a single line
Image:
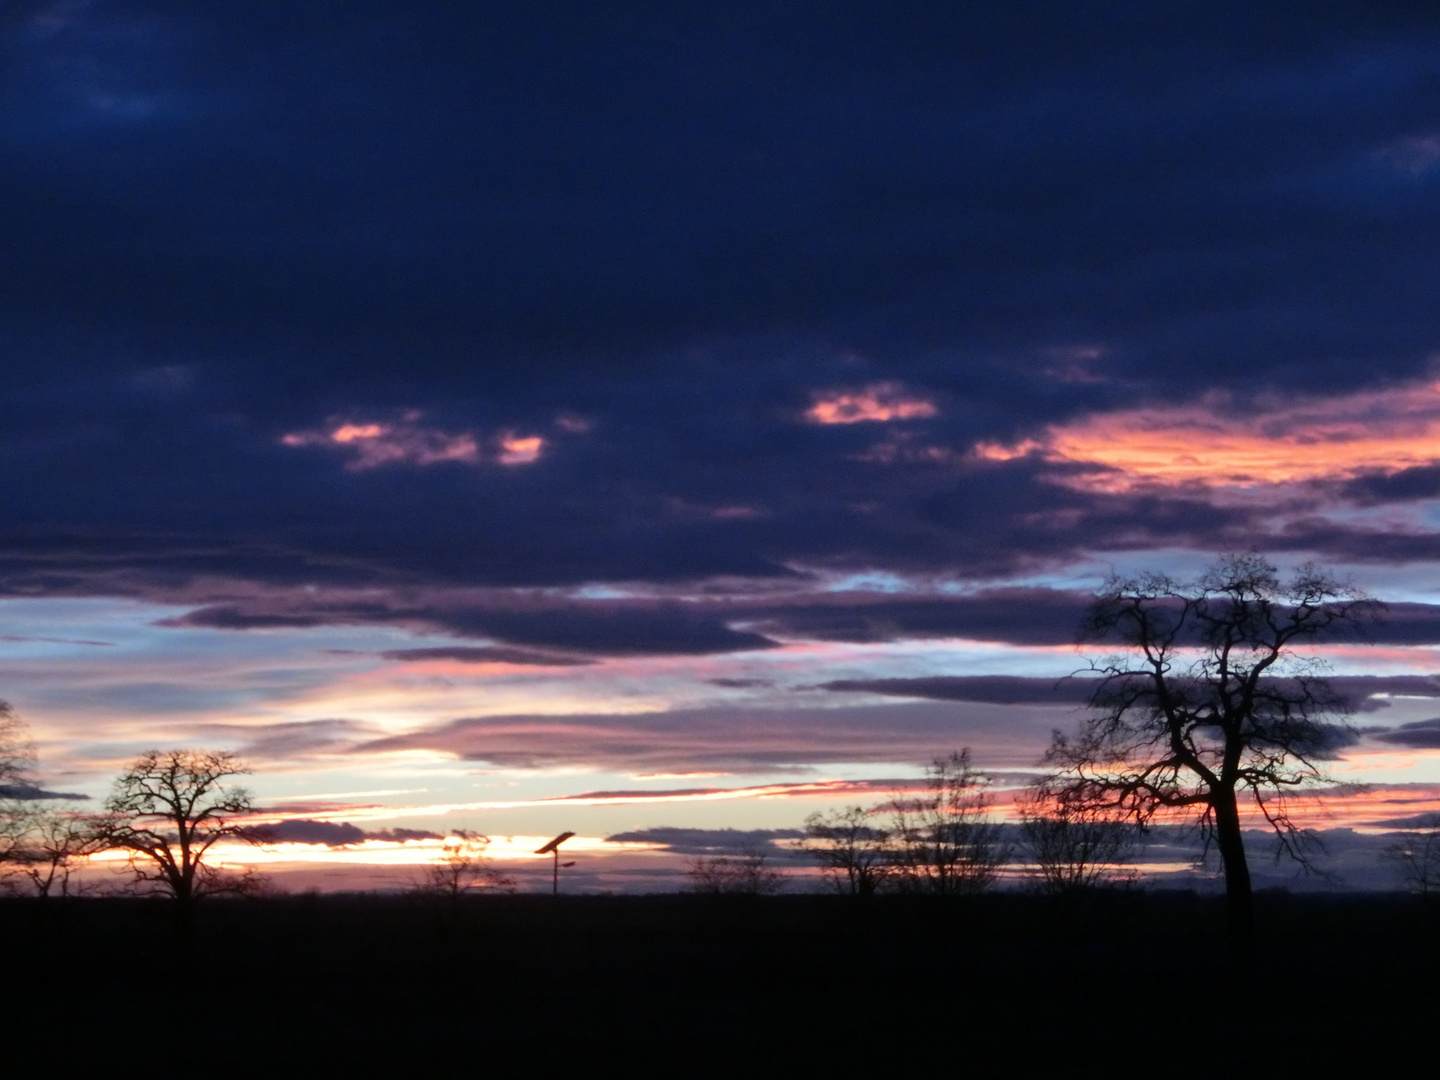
{"points": [[372, 445], [878, 402], [515, 450], [350, 432], [1219, 443]]}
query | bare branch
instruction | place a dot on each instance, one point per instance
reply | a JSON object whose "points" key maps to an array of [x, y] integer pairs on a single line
{"points": [[1208, 698], [168, 809]]}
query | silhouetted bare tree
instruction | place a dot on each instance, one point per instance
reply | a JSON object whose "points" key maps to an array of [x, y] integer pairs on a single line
{"points": [[17, 765], [746, 873], [852, 849], [945, 841], [463, 866], [1206, 699], [167, 810], [1418, 854], [1075, 846], [40, 839], [59, 836]]}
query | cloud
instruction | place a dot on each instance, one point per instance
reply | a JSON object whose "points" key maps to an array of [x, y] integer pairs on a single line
{"points": [[831, 788], [714, 358], [1367, 693], [1226, 441], [22, 639], [406, 442], [732, 739], [331, 833], [1022, 616], [1419, 735], [684, 841], [403, 836], [489, 654], [31, 793], [1414, 821], [996, 689], [308, 831], [293, 740], [520, 449], [372, 445], [529, 627], [877, 403], [560, 631], [1361, 693]]}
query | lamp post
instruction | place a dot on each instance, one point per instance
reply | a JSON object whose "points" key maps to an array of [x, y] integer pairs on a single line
{"points": [[553, 848]]}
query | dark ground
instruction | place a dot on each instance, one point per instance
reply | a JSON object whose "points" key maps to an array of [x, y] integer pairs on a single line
{"points": [[686, 985]]}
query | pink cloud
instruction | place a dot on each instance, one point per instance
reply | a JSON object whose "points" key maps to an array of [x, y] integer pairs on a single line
{"points": [[407, 442], [520, 450], [1220, 442], [876, 403]]}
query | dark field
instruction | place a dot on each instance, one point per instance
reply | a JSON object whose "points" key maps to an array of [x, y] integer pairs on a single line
{"points": [[691, 985]]}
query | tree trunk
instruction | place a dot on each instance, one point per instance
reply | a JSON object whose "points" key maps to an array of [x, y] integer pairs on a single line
{"points": [[1239, 904]]}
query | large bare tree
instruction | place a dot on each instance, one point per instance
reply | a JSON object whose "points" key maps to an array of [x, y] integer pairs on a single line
{"points": [[1209, 701], [168, 809]]}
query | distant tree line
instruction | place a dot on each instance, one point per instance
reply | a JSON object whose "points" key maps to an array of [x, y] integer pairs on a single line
{"points": [[1205, 701], [166, 812], [944, 841]]}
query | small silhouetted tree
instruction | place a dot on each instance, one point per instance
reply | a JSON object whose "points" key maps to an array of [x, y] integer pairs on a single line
{"points": [[744, 874], [40, 840], [167, 810], [1418, 854], [853, 850], [59, 838], [463, 866], [1075, 847], [17, 805], [1207, 700], [945, 841]]}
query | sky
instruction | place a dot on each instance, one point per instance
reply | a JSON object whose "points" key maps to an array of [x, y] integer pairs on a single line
{"points": [[633, 417]]}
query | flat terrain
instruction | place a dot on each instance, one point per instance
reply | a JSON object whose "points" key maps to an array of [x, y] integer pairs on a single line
{"points": [[691, 984]]}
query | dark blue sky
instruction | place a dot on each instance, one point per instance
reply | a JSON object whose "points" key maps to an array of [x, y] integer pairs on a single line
{"points": [[612, 417], [655, 238]]}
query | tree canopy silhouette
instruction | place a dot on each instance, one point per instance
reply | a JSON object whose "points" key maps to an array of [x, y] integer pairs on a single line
{"points": [[1208, 700], [168, 809], [854, 852], [17, 761], [945, 841]]}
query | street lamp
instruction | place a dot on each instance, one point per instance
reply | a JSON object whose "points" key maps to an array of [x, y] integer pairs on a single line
{"points": [[553, 848]]}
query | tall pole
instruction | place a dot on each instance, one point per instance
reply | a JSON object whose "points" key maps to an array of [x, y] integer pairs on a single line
{"points": [[553, 849]]}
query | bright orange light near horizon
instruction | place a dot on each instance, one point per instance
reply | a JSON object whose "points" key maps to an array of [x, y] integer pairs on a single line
{"points": [[1218, 444], [878, 402]]}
